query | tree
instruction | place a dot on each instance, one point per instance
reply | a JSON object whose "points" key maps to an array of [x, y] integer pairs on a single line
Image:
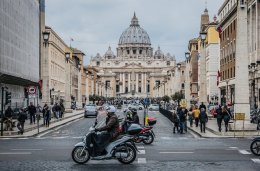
{"points": [[166, 98], [177, 96]]}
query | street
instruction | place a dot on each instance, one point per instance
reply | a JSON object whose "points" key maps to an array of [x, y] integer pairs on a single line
{"points": [[51, 151]]}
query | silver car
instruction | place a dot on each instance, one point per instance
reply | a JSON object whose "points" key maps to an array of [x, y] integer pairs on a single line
{"points": [[90, 110], [154, 107], [136, 106]]}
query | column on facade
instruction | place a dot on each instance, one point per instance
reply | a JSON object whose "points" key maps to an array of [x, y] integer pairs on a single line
{"points": [[136, 82], [120, 85], [123, 82], [145, 83], [129, 83], [142, 83]]}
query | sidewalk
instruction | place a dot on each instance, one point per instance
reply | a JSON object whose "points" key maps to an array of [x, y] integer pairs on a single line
{"points": [[212, 131], [31, 130]]}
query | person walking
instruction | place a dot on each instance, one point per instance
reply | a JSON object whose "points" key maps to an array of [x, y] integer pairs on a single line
{"points": [[183, 118], [54, 111], [196, 113], [202, 106], [226, 116], [203, 117], [47, 115], [8, 119], [62, 109], [21, 120], [176, 121], [190, 117], [32, 112], [219, 117]]}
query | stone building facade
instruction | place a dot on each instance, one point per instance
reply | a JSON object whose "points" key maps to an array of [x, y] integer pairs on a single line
{"points": [[19, 48], [135, 70]]}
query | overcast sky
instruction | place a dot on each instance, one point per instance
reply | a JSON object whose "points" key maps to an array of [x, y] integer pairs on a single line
{"points": [[96, 24]]}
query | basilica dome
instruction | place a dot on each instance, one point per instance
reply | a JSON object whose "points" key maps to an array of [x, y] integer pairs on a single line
{"points": [[134, 34]]}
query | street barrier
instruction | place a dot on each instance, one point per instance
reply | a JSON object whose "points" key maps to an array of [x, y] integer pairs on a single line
{"points": [[166, 113]]}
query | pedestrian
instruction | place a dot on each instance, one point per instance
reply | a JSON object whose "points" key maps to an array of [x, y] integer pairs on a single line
{"points": [[219, 117], [32, 112], [203, 117], [190, 116], [175, 120], [8, 119], [226, 116], [21, 120], [54, 111], [196, 113], [47, 115], [183, 118], [202, 106], [62, 109]]}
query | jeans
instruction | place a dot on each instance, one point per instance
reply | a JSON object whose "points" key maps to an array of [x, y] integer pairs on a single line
{"points": [[32, 118], [182, 125], [202, 126], [191, 121]]}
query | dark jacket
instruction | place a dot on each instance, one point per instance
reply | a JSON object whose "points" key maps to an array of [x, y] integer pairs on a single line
{"points": [[136, 119], [226, 116], [202, 106], [9, 113], [183, 115], [175, 118], [219, 113], [112, 126], [22, 117], [32, 110], [203, 117]]}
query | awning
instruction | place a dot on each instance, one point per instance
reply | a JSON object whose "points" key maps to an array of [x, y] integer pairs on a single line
{"points": [[13, 80]]}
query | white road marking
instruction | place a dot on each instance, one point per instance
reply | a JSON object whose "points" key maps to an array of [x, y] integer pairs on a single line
{"points": [[166, 138], [76, 137], [26, 149], [177, 152], [58, 137], [141, 160], [233, 147], [40, 138], [22, 138], [243, 152], [256, 161], [141, 152], [140, 146], [10, 153]]}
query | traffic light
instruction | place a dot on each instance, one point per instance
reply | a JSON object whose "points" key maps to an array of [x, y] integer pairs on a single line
{"points": [[8, 97]]}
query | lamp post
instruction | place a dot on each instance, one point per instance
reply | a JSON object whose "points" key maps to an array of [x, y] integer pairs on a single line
{"points": [[67, 56], [203, 91], [45, 74]]}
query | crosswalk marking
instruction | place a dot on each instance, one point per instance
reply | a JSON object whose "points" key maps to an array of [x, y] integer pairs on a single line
{"points": [[141, 160], [141, 152], [140, 147], [256, 161], [243, 152]]}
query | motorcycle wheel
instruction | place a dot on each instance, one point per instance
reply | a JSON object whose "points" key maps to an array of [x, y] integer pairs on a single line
{"points": [[131, 154], [150, 139], [77, 157], [255, 147]]}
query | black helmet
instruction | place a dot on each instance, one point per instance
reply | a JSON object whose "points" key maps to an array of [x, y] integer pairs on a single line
{"points": [[133, 110]]}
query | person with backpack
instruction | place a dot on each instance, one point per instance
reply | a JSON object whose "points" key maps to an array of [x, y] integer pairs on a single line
{"points": [[226, 115], [21, 120], [47, 115], [203, 117], [219, 117], [176, 121]]}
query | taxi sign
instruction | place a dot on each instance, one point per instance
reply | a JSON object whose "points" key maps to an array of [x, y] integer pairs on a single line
{"points": [[239, 116]]}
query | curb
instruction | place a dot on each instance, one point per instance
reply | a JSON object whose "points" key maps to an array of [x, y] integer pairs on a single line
{"points": [[40, 132]]}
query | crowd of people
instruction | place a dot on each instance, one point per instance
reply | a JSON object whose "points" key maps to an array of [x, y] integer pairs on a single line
{"points": [[33, 112], [198, 116]]}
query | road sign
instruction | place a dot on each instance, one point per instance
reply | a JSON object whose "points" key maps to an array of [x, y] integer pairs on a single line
{"points": [[239, 116], [32, 90]]}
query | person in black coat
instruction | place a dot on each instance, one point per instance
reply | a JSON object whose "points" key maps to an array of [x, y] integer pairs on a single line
{"points": [[21, 120], [203, 117], [8, 118], [226, 115], [183, 116], [47, 115], [219, 117], [202, 106], [32, 112], [175, 120]]}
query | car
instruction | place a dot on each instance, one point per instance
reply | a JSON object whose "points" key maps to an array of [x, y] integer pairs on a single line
{"points": [[154, 107], [136, 106], [90, 110]]}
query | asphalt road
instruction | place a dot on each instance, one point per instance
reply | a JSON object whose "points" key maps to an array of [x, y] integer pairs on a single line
{"points": [[51, 151]]}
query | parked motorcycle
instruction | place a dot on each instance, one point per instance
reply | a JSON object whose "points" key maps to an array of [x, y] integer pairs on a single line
{"points": [[123, 149], [255, 146], [146, 135], [255, 117]]}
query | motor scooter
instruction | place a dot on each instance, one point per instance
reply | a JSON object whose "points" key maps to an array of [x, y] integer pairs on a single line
{"points": [[123, 148], [255, 146]]}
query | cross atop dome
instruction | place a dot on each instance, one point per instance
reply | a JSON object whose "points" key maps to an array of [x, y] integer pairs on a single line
{"points": [[134, 21]]}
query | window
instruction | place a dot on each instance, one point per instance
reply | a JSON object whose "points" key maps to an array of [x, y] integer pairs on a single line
{"points": [[168, 63], [140, 51], [182, 72], [134, 51], [182, 85], [126, 64], [128, 52], [139, 89]]}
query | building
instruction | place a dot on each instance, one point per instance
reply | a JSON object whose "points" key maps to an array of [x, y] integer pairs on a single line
{"points": [[135, 70], [19, 49], [212, 61], [253, 14], [234, 87]]}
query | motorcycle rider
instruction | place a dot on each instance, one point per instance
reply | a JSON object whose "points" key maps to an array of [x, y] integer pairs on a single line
{"points": [[135, 117], [111, 129]]}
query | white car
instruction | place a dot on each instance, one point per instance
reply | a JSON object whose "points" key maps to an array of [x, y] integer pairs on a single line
{"points": [[136, 106], [154, 107]]}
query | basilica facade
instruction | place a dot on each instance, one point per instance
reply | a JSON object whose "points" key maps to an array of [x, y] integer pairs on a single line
{"points": [[135, 70]]}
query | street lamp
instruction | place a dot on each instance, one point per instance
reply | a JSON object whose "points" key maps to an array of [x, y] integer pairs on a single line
{"points": [[79, 65], [179, 66], [203, 36], [46, 36], [67, 56], [187, 54]]}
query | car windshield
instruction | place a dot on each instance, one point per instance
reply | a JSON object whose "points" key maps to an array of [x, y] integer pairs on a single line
{"points": [[92, 108]]}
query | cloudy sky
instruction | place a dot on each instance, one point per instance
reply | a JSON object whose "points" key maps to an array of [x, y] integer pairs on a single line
{"points": [[96, 24]]}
